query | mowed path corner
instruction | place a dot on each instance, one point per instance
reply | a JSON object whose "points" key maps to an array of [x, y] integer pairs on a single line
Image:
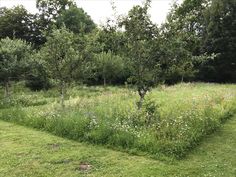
{"points": [[31, 153]]}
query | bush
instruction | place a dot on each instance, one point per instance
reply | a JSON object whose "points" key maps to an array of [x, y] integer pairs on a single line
{"points": [[37, 82], [38, 78]]}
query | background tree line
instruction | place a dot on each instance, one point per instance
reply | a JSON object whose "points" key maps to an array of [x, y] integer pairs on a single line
{"points": [[61, 44]]}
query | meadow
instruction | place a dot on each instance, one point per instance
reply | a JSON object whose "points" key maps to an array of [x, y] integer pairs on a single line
{"points": [[172, 121]]}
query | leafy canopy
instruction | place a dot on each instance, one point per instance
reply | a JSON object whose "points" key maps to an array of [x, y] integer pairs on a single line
{"points": [[76, 20], [13, 57], [141, 35], [59, 54]]}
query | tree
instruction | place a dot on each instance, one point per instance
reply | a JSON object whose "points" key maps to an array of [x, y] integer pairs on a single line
{"points": [[109, 66], [187, 21], [76, 20], [182, 37], [14, 23], [50, 9], [220, 38], [141, 36], [206, 27], [17, 23], [13, 55], [182, 63], [61, 58], [111, 39]]}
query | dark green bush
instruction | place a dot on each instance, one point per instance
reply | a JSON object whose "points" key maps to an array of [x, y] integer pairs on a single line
{"points": [[38, 78]]}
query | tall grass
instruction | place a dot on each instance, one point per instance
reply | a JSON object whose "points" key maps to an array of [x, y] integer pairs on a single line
{"points": [[173, 119]]}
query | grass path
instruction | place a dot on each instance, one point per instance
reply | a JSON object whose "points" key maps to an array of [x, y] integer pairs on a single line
{"points": [[25, 152]]}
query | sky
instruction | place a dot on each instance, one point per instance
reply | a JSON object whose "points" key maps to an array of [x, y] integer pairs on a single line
{"points": [[100, 10]]}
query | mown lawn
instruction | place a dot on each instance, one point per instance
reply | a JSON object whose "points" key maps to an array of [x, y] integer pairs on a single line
{"points": [[27, 152]]}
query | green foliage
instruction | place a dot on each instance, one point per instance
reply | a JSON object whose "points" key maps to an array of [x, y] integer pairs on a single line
{"points": [[109, 66], [170, 121], [76, 20], [220, 38], [61, 58], [13, 58], [18, 23], [109, 38], [188, 41], [50, 9], [59, 54], [14, 23], [197, 28], [141, 36], [37, 78], [182, 40], [13, 54], [185, 22]]}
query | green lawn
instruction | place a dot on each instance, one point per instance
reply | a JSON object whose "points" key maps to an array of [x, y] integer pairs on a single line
{"points": [[27, 152]]}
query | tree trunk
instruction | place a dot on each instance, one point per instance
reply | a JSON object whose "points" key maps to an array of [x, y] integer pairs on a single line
{"points": [[140, 103], [6, 89], [62, 95], [104, 81], [142, 93], [182, 79]]}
